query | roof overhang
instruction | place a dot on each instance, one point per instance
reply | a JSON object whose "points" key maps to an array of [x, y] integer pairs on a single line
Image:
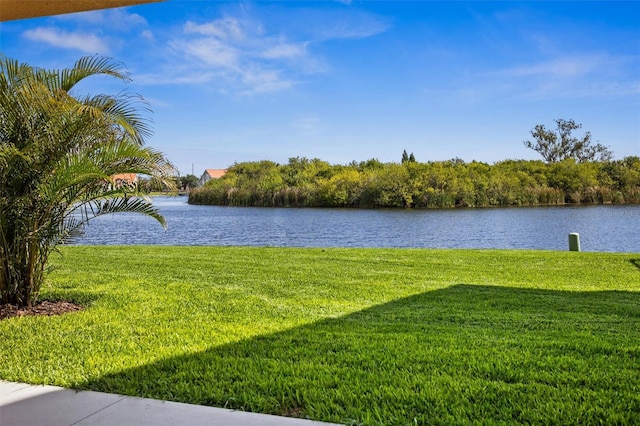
{"points": [[21, 9]]}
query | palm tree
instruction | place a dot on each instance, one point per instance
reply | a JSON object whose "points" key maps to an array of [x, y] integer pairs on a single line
{"points": [[59, 152]]}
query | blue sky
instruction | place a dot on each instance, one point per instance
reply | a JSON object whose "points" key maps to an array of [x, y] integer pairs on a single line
{"points": [[353, 80]]}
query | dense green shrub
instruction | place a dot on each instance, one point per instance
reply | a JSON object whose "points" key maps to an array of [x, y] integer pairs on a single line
{"points": [[437, 184]]}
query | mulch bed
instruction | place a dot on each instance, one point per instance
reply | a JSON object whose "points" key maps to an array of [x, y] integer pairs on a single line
{"points": [[44, 308]]}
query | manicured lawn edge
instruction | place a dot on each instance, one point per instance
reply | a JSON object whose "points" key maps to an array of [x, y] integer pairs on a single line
{"points": [[362, 336]]}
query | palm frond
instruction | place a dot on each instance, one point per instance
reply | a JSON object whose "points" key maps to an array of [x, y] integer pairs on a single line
{"points": [[87, 66], [58, 155], [123, 111]]}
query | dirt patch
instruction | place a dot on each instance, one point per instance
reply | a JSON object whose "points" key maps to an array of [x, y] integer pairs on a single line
{"points": [[45, 308], [294, 412]]}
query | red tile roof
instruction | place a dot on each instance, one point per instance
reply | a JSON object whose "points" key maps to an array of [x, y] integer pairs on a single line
{"points": [[125, 177], [216, 173]]}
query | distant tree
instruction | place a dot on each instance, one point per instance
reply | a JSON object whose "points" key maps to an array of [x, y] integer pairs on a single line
{"points": [[624, 176], [558, 145], [408, 158], [188, 181], [371, 164]]}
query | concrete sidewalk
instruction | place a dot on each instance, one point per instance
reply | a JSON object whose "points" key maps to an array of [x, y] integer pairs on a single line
{"points": [[28, 405]]}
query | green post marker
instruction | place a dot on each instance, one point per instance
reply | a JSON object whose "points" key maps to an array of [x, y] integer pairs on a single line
{"points": [[574, 241]]}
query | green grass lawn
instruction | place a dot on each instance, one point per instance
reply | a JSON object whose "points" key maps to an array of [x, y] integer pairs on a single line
{"points": [[356, 336]]}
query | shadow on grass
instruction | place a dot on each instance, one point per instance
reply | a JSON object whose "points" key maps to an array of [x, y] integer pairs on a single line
{"points": [[636, 263], [454, 355]]}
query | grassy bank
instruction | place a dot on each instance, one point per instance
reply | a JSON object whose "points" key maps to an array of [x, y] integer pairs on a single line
{"points": [[362, 336]]}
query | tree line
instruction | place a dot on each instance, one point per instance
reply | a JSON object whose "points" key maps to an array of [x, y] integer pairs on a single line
{"points": [[306, 182]]}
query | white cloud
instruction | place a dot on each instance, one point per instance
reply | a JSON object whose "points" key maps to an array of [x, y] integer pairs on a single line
{"points": [[147, 35], [566, 77], [208, 52], [565, 67], [233, 55], [260, 80], [344, 24], [82, 30], [118, 19], [239, 54], [88, 43], [285, 50], [128, 19], [225, 28]]}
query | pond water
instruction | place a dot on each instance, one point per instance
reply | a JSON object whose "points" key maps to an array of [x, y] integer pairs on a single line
{"points": [[601, 228]]}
